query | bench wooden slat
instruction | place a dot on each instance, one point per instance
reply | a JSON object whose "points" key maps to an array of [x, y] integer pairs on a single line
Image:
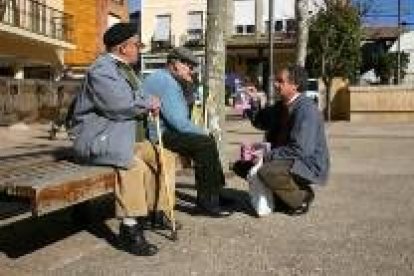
{"points": [[50, 183], [69, 191], [13, 161]]}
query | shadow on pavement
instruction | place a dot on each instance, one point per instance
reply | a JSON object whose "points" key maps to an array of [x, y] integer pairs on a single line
{"points": [[232, 200], [28, 235]]}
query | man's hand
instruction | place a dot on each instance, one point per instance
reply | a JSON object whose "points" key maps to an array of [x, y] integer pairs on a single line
{"points": [[260, 151], [251, 91], [155, 106]]}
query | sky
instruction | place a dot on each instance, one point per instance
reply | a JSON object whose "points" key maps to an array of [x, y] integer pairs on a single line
{"points": [[384, 12], [134, 5]]}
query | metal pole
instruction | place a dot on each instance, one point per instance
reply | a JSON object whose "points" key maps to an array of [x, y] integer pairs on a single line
{"points": [[271, 93], [399, 44]]}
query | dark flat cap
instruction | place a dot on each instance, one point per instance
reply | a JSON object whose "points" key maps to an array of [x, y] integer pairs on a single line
{"points": [[118, 33], [183, 54]]}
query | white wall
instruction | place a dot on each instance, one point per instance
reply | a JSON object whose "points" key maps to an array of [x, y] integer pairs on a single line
{"points": [[407, 46]]}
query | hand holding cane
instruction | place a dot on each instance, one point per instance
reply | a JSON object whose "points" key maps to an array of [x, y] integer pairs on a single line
{"points": [[166, 183]]}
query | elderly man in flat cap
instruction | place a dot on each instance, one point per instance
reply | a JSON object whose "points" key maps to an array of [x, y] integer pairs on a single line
{"points": [[105, 117], [180, 134]]}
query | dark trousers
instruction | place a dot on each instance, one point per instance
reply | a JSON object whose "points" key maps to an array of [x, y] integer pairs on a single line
{"points": [[203, 151], [291, 190]]}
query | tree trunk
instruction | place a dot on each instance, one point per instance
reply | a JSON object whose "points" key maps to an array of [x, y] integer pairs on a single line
{"points": [[215, 70], [328, 110], [302, 30]]}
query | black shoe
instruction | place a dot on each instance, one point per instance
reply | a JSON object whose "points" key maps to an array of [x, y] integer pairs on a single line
{"points": [[211, 205], [132, 240], [304, 207], [160, 221]]}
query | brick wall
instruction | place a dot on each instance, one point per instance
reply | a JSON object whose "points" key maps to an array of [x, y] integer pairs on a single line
{"points": [[84, 31], [90, 22]]}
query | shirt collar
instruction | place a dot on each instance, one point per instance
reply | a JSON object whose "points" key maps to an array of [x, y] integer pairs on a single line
{"points": [[293, 99], [117, 58]]}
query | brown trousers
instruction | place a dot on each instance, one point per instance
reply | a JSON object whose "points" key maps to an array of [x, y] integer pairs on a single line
{"points": [[276, 176], [141, 188]]}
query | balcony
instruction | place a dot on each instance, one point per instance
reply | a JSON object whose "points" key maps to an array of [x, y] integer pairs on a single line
{"points": [[282, 39], [37, 18], [159, 43], [194, 38]]}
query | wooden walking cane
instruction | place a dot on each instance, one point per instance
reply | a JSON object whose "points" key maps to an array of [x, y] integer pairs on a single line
{"points": [[170, 202]]}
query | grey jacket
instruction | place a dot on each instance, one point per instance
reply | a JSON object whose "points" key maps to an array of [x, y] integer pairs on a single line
{"points": [[297, 133], [105, 114]]}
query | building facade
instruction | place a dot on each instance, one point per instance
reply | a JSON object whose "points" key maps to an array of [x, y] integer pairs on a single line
{"points": [[248, 42], [406, 46], [91, 19], [34, 36], [171, 23]]}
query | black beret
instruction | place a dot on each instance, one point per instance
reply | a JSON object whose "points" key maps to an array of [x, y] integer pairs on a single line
{"points": [[182, 54], [118, 33]]}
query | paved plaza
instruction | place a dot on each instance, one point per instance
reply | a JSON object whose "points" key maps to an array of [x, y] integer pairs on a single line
{"points": [[362, 222]]}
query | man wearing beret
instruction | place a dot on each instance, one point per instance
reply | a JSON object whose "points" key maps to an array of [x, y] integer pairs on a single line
{"points": [[105, 117], [180, 134]]}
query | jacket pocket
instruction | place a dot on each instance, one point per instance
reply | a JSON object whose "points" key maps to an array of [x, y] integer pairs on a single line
{"points": [[100, 143]]}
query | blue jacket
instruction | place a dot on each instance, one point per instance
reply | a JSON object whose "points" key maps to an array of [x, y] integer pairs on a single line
{"points": [[174, 109], [297, 133], [105, 115]]}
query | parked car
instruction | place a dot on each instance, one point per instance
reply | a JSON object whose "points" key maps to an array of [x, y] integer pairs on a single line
{"points": [[312, 90]]}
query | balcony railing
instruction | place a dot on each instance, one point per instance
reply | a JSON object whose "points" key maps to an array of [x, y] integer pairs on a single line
{"points": [[162, 44], [194, 37], [37, 18]]}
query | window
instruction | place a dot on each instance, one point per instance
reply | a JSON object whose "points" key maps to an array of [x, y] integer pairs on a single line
{"points": [[162, 28], [245, 29], [278, 25], [250, 29], [195, 25], [244, 16], [119, 2], [290, 25], [239, 29]]}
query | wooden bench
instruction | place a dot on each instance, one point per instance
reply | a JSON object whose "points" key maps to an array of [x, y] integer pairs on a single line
{"points": [[37, 183]]}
